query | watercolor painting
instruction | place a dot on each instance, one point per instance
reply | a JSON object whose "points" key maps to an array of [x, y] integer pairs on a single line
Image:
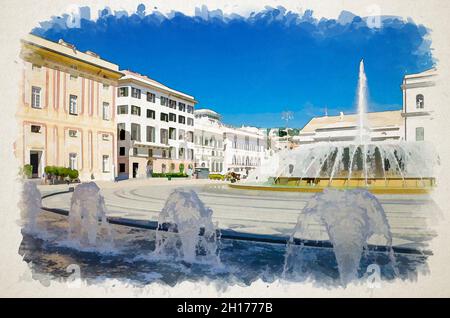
{"points": [[276, 145]]}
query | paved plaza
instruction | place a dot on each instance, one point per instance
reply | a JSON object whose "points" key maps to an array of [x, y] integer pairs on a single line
{"points": [[410, 217]]}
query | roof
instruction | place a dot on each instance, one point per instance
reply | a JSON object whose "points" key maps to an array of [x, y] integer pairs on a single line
{"points": [[429, 72], [155, 84], [68, 51], [374, 120]]}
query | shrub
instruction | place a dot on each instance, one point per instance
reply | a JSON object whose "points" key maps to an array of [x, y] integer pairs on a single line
{"points": [[73, 174], [169, 174], [50, 171], [27, 171], [181, 167], [216, 176]]}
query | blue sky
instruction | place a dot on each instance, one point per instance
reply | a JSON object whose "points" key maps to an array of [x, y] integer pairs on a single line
{"points": [[250, 69]]}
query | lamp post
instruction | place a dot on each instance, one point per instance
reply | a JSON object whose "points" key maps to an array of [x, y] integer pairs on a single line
{"points": [[287, 116]]}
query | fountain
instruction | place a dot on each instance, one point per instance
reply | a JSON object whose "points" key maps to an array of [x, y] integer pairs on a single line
{"points": [[380, 166], [185, 229], [88, 225], [351, 218], [30, 205]]}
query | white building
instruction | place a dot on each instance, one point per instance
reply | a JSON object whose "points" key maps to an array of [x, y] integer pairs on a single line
{"points": [[209, 132], [419, 101], [244, 149], [223, 148], [155, 127], [387, 125]]}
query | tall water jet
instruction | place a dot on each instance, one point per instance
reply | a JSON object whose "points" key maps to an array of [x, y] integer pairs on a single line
{"points": [[88, 225], [185, 229], [388, 166], [363, 129], [350, 218], [30, 205]]}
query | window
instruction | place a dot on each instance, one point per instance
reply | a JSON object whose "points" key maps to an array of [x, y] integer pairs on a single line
{"points": [[420, 101], [151, 114], [73, 105], [420, 134], [164, 137], [172, 117], [172, 133], [135, 110], [36, 129], [172, 104], [164, 101], [190, 109], [190, 121], [164, 154], [181, 134], [106, 111], [105, 163], [73, 133], [122, 109], [150, 97], [190, 136], [181, 119], [182, 107], [135, 93], [150, 152], [181, 153], [105, 137], [136, 132], [122, 92], [150, 134], [121, 131], [73, 161], [121, 167], [135, 151], [164, 117], [36, 97], [121, 151]]}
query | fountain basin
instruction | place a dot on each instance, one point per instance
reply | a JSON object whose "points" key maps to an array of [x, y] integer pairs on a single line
{"points": [[374, 185]]}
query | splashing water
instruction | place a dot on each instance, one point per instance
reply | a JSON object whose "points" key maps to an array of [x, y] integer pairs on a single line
{"points": [[88, 225], [360, 158], [191, 234], [351, 218], [30, 205]]}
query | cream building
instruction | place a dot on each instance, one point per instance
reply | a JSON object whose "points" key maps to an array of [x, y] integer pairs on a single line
{"points": [[66, 113], [386, 125], [419, 102], [209, 132], [244, 149], [155, 127]]}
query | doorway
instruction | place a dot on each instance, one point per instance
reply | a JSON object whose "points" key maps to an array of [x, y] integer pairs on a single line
{"points": [[135, 169], [35, 162]]}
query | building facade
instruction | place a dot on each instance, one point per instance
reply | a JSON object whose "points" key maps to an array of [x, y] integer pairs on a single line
{"points": [[155, 127], [209, 130], [66, 112], [387, 125], [244, 149], [419, 100]]}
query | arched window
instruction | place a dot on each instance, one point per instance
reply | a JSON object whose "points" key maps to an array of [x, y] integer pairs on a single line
{"points": [[420, 101]]}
